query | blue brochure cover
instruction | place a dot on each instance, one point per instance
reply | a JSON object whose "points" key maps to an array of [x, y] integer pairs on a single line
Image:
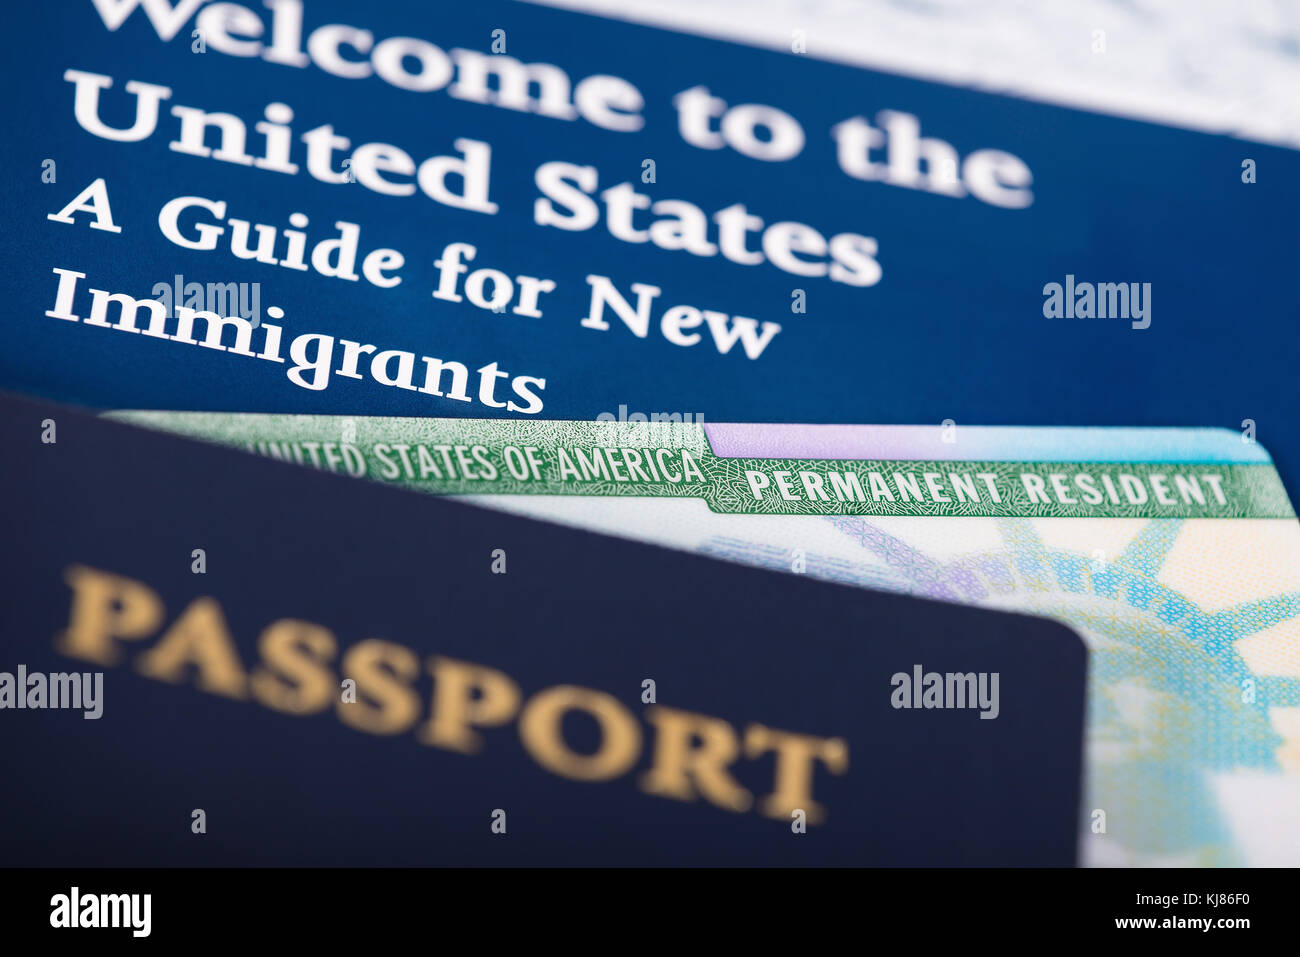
{"points": [[208, 658], [496, 209]]}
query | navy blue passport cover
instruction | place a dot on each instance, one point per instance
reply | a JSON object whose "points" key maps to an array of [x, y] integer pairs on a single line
{"points": [[578, 768]]}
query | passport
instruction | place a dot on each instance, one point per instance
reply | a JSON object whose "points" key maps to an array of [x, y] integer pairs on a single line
{"points": [[497, 210], [232, 661], [1175, 553]]}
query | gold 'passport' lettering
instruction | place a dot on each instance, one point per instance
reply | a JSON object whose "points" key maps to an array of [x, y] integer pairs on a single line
{"points": [[691, 755]]}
